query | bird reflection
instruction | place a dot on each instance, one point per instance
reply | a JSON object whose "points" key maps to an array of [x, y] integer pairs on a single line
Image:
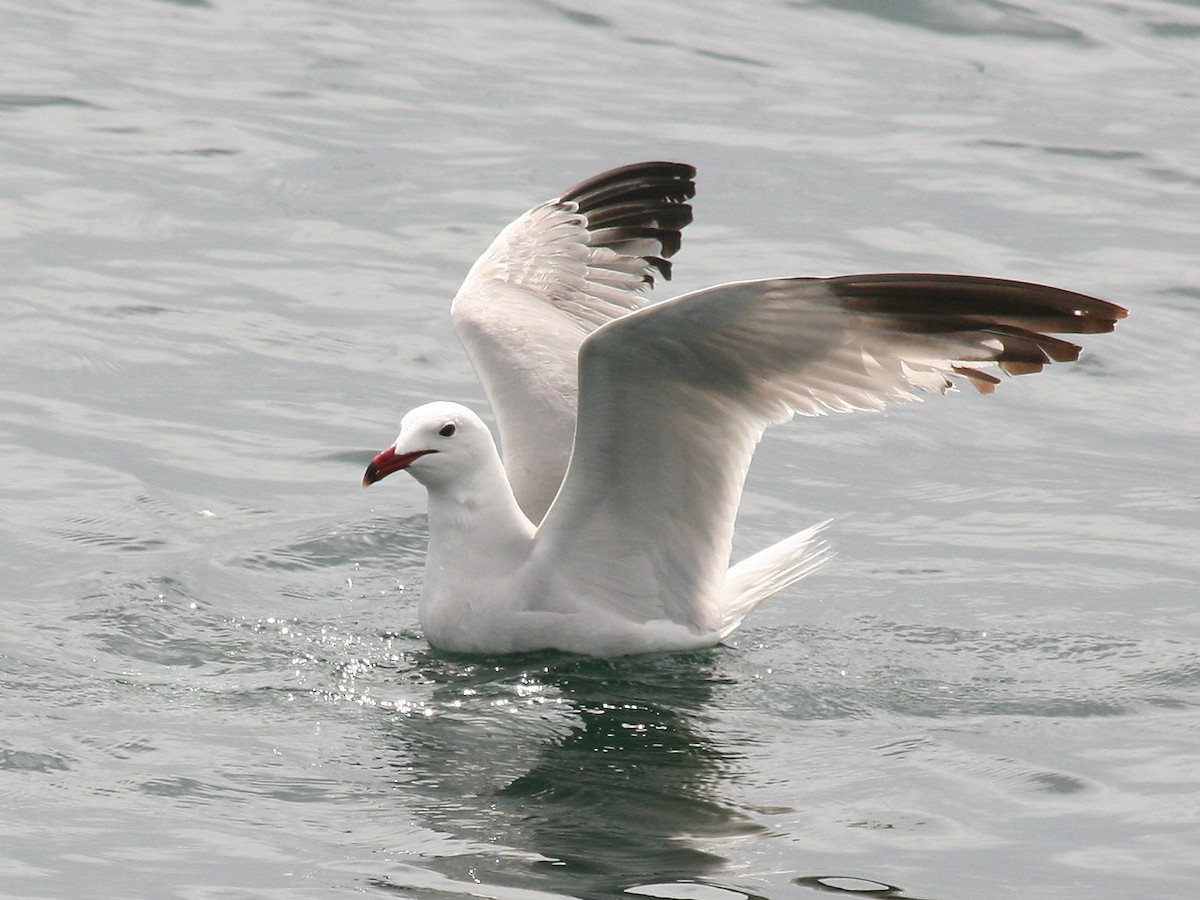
{"points": [[582, 776]]}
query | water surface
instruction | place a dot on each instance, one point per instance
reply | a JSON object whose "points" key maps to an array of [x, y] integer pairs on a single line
{"points": [[230, 235]]}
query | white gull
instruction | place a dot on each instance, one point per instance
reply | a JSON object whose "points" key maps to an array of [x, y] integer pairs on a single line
{"points": [[609, 531]]}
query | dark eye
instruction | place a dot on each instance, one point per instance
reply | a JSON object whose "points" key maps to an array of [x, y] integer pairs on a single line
{"points": [[447, 429]]}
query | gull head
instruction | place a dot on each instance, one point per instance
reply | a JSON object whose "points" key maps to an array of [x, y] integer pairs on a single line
{"points": [[439, 443]]}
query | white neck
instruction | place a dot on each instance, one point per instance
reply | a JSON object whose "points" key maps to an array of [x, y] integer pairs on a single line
{"points": [[478, 537]]}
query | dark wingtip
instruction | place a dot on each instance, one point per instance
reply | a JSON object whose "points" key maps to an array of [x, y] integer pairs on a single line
{"points": [[1022, 317], [674, 178], [641, 202], [1023, 304]]}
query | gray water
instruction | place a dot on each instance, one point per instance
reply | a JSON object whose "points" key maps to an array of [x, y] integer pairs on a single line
{"points": [[229, 233]]}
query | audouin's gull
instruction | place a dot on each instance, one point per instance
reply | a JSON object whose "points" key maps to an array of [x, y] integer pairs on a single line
{"points": [[608, 532]]}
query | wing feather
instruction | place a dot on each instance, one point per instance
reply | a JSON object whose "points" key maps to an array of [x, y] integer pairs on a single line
{"points": [[674, 398], [549, 279]]}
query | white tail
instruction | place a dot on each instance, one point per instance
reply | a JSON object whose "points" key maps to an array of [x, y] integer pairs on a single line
{"points": [[759, 576]]}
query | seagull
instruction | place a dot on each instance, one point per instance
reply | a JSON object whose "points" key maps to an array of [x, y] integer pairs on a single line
{"points": [[606, 527]]}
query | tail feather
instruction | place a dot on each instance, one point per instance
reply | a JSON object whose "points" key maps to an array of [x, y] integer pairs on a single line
{"points": [[759, 576]]}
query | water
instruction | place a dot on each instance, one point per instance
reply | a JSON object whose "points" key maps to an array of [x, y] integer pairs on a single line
{"points": [[230, 233]]}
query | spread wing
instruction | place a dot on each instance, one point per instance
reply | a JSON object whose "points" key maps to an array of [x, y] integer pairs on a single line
{"points": [[549, 280], [674, 398]]}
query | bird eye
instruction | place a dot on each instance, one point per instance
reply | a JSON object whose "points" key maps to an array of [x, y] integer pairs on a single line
{"points": [[447, 429]]}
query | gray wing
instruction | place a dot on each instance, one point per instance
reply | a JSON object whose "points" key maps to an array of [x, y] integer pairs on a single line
{"points": [[674, 398], [550, 279]]}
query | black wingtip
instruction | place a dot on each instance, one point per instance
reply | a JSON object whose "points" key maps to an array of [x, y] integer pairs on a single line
{"points": [[677, 178], [644, 201], [1021, 317]]}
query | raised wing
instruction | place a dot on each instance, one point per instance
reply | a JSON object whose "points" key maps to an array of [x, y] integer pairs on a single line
{"points": [[673, 399], [549, 280]]}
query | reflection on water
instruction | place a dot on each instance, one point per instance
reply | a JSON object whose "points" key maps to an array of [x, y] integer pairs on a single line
{"points": [[595, 775]]}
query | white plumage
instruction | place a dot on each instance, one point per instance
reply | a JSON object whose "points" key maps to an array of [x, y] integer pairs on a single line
{"points": [[628, 428]]}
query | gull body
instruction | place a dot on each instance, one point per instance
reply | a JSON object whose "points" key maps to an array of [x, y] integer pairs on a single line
{"points": [[606, 526]]}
